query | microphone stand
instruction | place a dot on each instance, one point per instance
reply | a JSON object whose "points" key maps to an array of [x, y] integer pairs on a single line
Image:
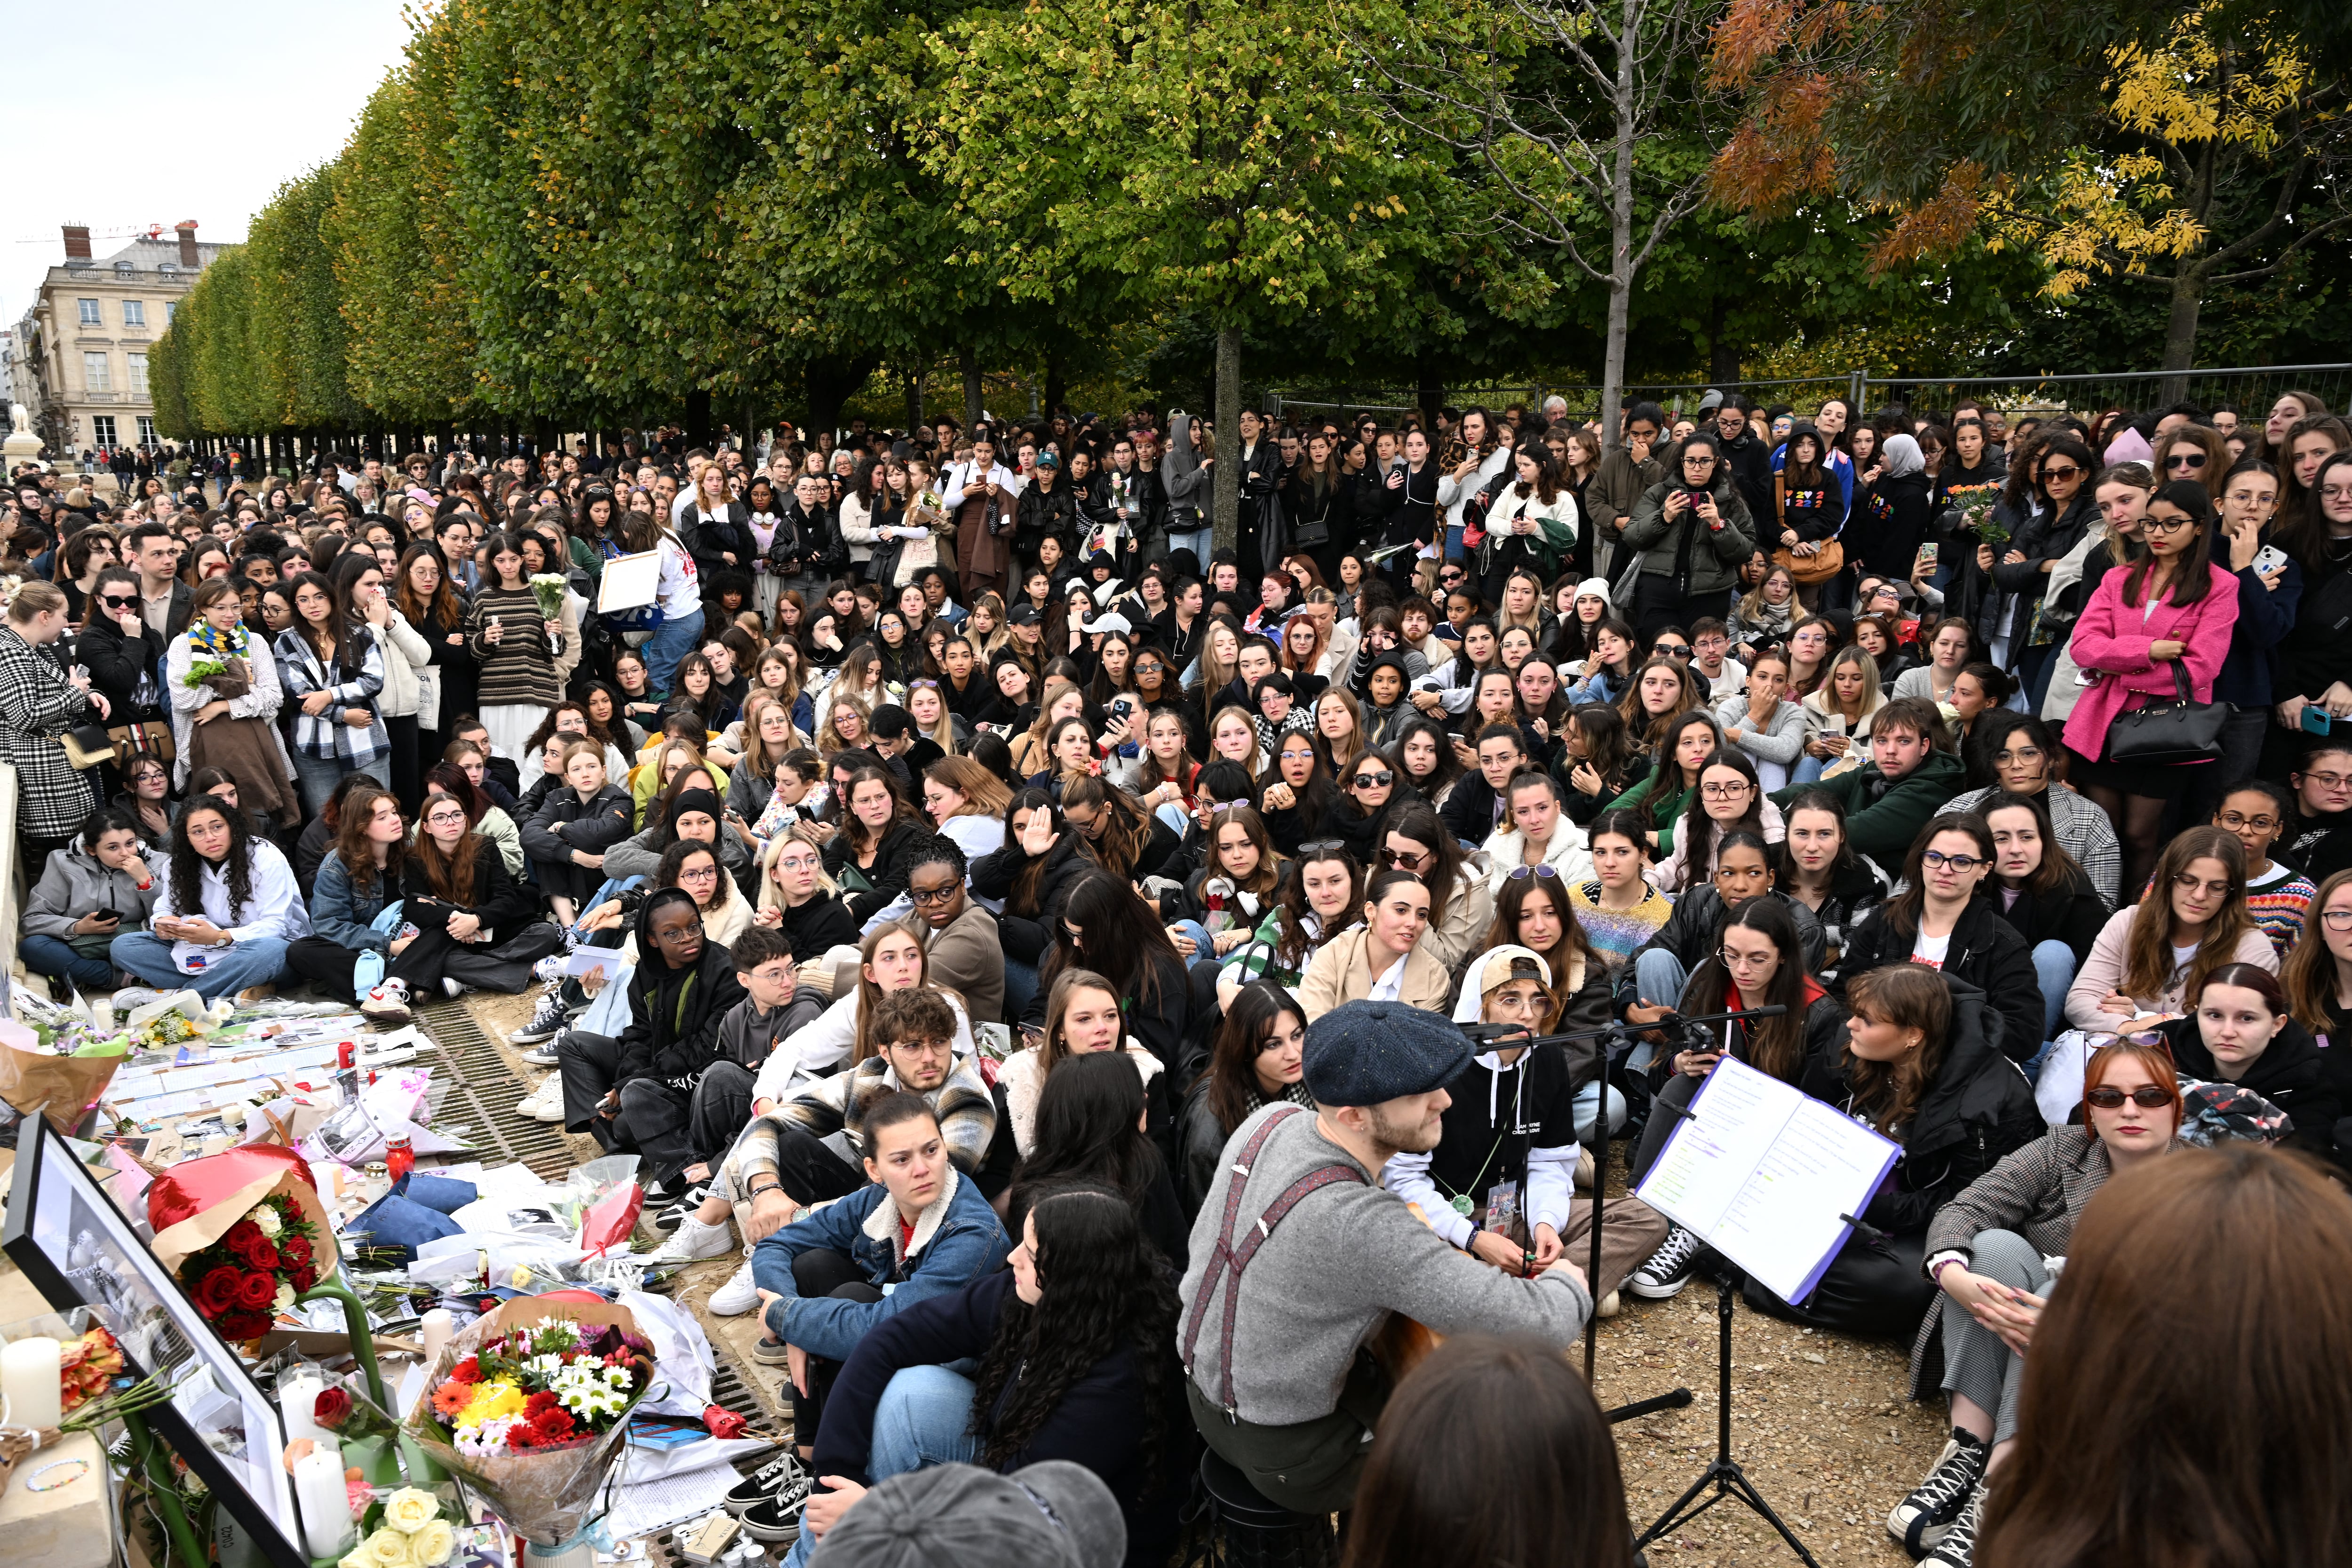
{"points": [[1495, 1037]]}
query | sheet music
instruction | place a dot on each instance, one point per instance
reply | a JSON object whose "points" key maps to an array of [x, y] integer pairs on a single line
{"points": [[1762, 1171]]}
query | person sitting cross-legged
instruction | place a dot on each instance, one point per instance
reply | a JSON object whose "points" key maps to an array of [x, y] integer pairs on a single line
{"points": [[917, 1225], [230, 906], [1300, 1254]]}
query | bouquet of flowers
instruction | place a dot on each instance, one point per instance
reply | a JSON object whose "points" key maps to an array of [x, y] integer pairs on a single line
{"points": [[244, 1234], [88, 1368], [410, 1529], [1972, 508], [530, 1405], [210, 650], [548, 588]]}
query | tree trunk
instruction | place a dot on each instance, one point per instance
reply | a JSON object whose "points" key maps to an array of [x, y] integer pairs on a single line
{"points": [[1226, 477], [1621, 234], [1057, 385], [1722, 357], [698, 417], [1428, 391], [830, 383], [2180, 327], [913, 382], [974, 408]]}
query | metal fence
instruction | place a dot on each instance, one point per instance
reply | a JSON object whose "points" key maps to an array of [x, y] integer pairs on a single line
{"points": [[2251, 389]]}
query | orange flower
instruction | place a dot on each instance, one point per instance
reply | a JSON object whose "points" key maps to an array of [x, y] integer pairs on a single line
{"points": [[452, 1398]]}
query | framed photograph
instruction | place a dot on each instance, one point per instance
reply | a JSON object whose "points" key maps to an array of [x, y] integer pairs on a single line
{"points": [[79, 1250]]}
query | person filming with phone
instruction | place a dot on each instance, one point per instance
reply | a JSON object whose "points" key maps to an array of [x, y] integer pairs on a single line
{"points": [[92, 891]]}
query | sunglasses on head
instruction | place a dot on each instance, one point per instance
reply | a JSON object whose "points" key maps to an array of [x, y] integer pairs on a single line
{"points": [[1323, 846], [1521, 873]]}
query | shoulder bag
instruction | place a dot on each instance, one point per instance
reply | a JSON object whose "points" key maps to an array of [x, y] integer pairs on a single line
{"points": [[1807, 570], [2184, 731]]}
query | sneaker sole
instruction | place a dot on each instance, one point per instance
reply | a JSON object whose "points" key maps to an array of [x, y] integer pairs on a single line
{"points": [[1649, 1292]]}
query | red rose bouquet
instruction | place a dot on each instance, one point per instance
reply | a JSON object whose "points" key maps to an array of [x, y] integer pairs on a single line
{"points": [[244, 1233]]}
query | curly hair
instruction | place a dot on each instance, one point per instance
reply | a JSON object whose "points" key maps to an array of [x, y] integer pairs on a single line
{"points": [[1102, 1285], [236, 866]]}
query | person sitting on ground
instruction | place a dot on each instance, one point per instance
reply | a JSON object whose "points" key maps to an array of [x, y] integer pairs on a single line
{"points": [[1943, 920], [913, 1224], [1920, 1067], [1083, 1015], [2241, 1031], [1500, 1184], [1380, 958], [90, 893], [693, 813], [1662, 965], [2151, 956], [2013, 752], [2318, 841], [1088, 1126], [581, 817], [1071, 1350], [229, 909], [796, 899], [891, 957], [1910, 774], [1989, 1252], [2278, 896], [966, 955], [1536, 832], [637, 1092], [1757, 962], [1277, 1376], [1259, 1057]]}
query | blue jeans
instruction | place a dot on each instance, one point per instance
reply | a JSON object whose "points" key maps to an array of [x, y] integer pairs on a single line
{"points": [[317, 778], [671, 641], [1200, 542], [1203, 945], [1809, 768], [1020, 987], [1588, 1099], [252, 960], [920, 1422], [55, 955], [1175, 816], [2054, 966], [1659, 979], [1454, 542]]}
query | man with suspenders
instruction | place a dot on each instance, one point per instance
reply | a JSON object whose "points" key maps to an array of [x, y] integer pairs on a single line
{"points": [[1300, 1257]]}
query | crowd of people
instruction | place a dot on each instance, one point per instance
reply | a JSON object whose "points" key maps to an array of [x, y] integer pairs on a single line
{"points": [[1002, 918]]}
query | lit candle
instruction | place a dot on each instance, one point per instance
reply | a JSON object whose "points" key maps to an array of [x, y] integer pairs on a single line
{"points": [[325, 1503], [438, 1326], [30, 1378], [297, 1400]]}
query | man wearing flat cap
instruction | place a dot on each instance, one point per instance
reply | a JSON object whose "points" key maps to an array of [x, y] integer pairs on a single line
{"points": [[1299, 1258]]}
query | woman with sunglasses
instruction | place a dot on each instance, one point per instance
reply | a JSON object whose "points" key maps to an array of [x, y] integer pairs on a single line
{"points": [[1461, 904], [1382, 958], [2154, 631], [120, 650], [2046, 521], [1988, 1253]]}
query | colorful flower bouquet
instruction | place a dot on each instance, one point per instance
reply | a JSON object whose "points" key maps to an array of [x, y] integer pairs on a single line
{"points": [[548, 588], [1973, 506], [530, 1405], [244, 1233]]}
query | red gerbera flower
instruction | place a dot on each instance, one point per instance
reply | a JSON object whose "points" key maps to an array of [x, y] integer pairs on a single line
{"points": [[467, 1371]]}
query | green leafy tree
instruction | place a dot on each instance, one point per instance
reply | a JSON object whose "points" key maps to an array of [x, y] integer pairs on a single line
{"points": [[299, 336]]}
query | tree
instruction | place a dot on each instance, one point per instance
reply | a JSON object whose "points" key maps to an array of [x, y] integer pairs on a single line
{"points": [[299, 334], [1216, 157], [1569, 110], [2184, 151]]}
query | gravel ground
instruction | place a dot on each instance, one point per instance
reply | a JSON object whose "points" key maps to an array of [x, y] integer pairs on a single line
{"points": [[1820, 1423]]}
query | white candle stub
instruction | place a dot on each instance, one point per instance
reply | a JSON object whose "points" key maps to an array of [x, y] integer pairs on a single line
{"points": [[298, 1397], [325, 1503], [29, 1377]]}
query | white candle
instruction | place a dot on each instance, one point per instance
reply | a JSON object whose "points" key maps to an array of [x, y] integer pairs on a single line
{"points": [[29, 1377], [438, 1327], [326, 1505], [297, 1399]]}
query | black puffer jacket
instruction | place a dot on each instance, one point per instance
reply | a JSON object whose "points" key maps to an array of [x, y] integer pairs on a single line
{"points": [[2073, 915], [1985, 952], [1695, 929], [1030, 937], [887, 875], [675, 1013], [1978, 1111], [2290, 1074]]}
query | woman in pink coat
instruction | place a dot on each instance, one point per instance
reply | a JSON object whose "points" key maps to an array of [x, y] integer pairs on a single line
{"points": [[2172, 606]]}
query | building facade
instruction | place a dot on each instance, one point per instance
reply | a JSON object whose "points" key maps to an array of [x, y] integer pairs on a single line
{"points": [[82, 348]]}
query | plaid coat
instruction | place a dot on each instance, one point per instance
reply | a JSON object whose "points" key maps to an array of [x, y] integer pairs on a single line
{"points": [[36, 705], [325, 736]]}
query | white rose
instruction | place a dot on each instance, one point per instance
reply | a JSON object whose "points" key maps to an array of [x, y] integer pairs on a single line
{"points": [[432, 1545], [284, 1297], [410, 1510], [266, 1220], [385, 1549]]}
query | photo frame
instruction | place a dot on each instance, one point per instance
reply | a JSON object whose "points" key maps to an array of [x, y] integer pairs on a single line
{"points": [[78, 1249]]}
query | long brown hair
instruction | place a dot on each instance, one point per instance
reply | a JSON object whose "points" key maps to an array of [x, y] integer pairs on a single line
{"points": [[1269, 875], [1125, 833], [2168, 1461], [2058, 870], [1908, 997], [868, 994], [1055, 1047], [351, 839], [2148, 951], [2309, 973], [451, 876], [1572, 945], [1904, 909], [1231, 1072]]}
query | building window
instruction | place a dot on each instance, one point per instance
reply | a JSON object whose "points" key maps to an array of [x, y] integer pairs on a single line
{"points": [[90, 316], [171, 309], [135, 312], [138, 364], [101, 429], [95, 375], [147, 437]]}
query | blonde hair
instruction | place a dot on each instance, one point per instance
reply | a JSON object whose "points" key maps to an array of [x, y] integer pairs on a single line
{"points": [[35, 599]]}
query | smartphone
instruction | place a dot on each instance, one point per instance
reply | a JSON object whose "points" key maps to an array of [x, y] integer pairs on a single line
{"points": [[2268, 559], [2316, 719]]}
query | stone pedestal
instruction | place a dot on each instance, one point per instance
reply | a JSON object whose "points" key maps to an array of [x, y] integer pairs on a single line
{"points": [[20, 445]]}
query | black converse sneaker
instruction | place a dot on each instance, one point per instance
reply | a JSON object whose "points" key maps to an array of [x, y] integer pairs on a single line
{"points": [[1920, 1519], [1958, 1549], [1669, 1269], [776, 1476], [546, 1018]]}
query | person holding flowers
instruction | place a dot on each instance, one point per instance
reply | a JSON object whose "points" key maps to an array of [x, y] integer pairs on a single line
{"points": [[508, 630], [225, 703]]}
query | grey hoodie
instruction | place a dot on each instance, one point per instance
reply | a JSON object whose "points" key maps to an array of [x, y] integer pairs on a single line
{"points": [[74, 884], [1182, 475]]}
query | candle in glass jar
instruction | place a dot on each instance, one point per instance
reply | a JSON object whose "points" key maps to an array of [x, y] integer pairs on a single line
{"points": [[29, 1377], [297, 1400], [325, 1502]]}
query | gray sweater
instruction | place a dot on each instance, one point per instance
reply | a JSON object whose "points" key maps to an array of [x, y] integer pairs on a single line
{"points": [[1331, 1272]]}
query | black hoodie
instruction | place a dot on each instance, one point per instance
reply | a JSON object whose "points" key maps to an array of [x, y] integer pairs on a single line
{"points": [[2289, 1074], [1978, 1111], [675, 1013], [1985, 951]]}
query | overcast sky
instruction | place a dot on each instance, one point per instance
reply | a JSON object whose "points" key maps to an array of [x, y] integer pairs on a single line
{"points": [[155, 112]]}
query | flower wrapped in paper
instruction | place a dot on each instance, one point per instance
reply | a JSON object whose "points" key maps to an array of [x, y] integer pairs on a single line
{"points": [[548, 588], [530, 1405], [244, 1233]]}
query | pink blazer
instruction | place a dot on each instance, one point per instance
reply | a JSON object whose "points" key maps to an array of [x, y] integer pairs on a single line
{"points": [[2109, 636]]}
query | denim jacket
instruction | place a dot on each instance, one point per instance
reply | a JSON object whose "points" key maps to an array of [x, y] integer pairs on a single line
{"points": [[958, 1239], [342, 912]]}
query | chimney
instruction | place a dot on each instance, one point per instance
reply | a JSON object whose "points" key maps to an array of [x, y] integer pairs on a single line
{"points": [[186, 229], [77, 242]]}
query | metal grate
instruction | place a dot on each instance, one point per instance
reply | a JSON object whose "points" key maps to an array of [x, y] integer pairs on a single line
{"points": [[488, 1088]]}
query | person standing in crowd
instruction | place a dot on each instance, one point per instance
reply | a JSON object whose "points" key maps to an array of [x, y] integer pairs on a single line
{"points": [[516, 645], [39, 704], [1693, 534]]}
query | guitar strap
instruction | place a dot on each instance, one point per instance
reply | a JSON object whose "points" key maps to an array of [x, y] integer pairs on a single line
{"points": [[1222, 1281]]}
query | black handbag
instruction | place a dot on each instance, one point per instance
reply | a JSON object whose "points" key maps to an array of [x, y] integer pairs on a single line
{"points": [[2182, 731]]}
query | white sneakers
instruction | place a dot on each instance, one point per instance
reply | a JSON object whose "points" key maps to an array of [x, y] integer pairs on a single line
{"points": [[692, 1242], [738, 1295], [544, 1103]]}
